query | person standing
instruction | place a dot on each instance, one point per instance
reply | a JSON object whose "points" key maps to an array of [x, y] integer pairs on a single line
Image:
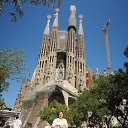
{"points": [[17, 122], [60, 122]]}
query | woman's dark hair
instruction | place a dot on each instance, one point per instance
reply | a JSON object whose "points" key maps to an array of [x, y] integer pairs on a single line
{"points": [[59, 112]]}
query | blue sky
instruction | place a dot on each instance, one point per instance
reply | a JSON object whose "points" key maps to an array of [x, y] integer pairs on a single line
{"points": [[27, 33]]}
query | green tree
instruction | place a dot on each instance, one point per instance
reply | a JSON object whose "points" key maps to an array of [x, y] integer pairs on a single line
{"points": [[50, 113], [90, 106], [120, 81], [76, 116], [18, 4], [126, 63], [112, 89], [11, 66], [105, 100], [70, 113], [101, 90]]}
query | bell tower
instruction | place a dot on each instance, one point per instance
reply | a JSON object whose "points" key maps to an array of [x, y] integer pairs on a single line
{"points": [[71, 47], [51, 59], [80, 59]]}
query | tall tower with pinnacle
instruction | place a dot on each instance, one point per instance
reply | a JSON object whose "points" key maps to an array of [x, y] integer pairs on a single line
{"points": [[60, 73], [80, 56], [71, 47]]}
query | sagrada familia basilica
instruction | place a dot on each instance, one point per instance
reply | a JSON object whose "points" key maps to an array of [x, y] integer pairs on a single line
{"points": [[60, 73]]}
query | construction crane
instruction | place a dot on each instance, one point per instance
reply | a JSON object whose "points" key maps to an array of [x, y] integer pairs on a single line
{"points": [[107, 45]]}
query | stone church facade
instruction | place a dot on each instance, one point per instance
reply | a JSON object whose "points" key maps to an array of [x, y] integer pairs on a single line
{"points": [[60, 73]]}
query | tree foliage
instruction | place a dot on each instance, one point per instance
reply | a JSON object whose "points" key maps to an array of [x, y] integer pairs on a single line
{"points": [[50, 113], [112, 89], [126, 63], [105, 100], [91, 107], [126, 52], [76, 116], [70, 113], [11, 66], [18, 6]]}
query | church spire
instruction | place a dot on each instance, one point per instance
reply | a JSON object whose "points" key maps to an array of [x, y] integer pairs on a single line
{"points": [[55, 24], [80, 31], [47, 30], [72, 18]]}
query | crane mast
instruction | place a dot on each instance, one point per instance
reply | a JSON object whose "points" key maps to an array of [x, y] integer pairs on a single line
{"points": [[107, 45]]}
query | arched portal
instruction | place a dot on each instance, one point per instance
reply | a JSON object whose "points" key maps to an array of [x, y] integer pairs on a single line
{"points": [[56, 95]]}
